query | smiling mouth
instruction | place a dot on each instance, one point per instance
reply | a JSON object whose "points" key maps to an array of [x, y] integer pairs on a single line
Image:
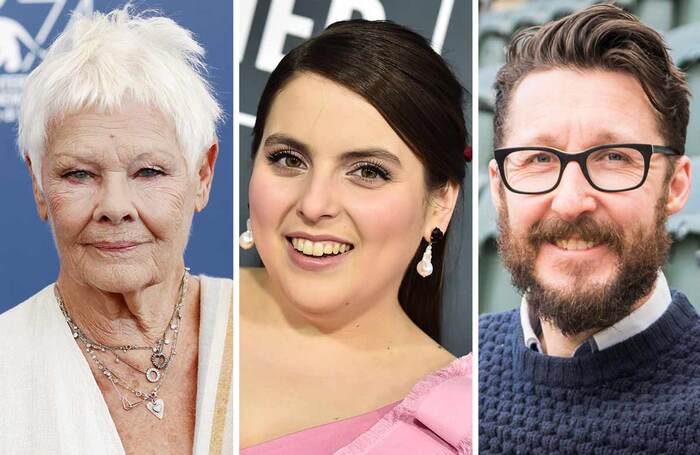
{"points": [[575, 244], [319, 249]]}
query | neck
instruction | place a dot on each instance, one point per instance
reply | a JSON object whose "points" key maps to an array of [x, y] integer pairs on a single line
{"points": [[136, 317], [556, 344]]}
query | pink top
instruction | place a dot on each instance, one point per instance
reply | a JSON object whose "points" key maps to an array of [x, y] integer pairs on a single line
{"points": [[434, 418]]}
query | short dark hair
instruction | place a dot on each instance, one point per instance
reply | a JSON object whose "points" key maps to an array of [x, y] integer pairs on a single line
{"points": [[599, 37], [396, 71]]}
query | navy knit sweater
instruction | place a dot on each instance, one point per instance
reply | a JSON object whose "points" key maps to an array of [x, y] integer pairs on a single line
{"points": [[638, 396]]}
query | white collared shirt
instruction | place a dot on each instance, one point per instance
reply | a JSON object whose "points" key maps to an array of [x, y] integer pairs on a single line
{"points": [[632, 324]]}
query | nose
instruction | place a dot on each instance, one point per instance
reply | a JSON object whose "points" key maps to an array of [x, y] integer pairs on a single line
{"points": [[318, 199], [114, 201], [574, 196]]}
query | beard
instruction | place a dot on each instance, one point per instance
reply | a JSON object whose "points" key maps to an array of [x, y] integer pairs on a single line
{"points": [[583, 306]]}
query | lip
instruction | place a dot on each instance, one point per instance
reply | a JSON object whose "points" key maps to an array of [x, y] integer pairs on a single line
{"points": [[115, 247], [553, 248], [314, 263], [317, 238]]}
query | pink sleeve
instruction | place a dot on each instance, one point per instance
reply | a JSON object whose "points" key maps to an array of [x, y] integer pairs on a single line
{"points": [[434, 418]]}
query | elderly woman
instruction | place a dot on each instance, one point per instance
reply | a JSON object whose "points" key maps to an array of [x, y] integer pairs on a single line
{"points": [[126, 352]]}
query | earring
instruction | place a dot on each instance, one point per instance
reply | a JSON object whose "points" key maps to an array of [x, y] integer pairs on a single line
{"points": [[246, 238], [425, 266]]}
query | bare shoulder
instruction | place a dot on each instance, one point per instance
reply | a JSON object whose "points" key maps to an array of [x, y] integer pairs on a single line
{"points": [[431, 356], [413, 359]]}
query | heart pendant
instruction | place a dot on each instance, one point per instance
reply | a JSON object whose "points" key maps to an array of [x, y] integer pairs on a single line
{"points": [[159, 360], [157, 407]]}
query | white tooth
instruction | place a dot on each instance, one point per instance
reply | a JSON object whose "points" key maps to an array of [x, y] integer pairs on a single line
{"points": [[343, 247], [336, 248], [318, 249], [294, 243], [327, 248], [308, 247]]}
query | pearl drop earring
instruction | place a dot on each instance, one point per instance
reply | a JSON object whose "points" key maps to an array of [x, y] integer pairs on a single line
{"points": [[425, 266], [246, 238]]}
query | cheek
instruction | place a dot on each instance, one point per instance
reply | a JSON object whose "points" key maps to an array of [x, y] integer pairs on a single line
{"points": [[166, 207], [269, 198], [390, 223], [70, 208], [524, 211]]}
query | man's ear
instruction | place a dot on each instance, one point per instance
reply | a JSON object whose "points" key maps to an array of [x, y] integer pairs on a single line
{"points": [[205, 176], [441, 208], [495, 185], [679, 186], [41, 208]]}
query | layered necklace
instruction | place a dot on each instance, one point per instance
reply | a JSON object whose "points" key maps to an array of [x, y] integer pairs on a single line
{"points": [[162, 356]]}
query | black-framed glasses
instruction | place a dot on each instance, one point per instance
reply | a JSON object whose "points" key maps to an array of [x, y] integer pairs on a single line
{"points": [[610, 167]]}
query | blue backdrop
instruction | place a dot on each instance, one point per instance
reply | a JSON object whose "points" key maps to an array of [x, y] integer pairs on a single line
{"points": [[28, 260]]}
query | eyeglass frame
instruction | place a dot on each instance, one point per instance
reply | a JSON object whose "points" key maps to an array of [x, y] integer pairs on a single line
{"points": [[647, 150]]}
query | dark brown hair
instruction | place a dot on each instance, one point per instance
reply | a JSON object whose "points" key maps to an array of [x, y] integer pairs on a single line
{"points": [[599, 37], [398, 73]]}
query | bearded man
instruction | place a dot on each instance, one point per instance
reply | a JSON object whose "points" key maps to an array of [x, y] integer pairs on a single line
{"points": [[590, 124]]}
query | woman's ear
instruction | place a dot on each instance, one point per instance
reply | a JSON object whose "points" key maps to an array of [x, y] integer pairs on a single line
{"points": [[205, 176], [441, 207], [41, 208]]}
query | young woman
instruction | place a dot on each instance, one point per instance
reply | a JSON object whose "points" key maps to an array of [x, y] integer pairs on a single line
{"points": [[358, 164]]}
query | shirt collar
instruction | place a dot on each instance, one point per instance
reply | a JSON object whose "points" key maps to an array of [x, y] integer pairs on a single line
{"points": [[635, 322]]}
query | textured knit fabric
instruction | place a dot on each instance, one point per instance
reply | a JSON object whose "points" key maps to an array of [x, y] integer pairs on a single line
{"points": [[52, 404], [434, 419], [639, 396]]}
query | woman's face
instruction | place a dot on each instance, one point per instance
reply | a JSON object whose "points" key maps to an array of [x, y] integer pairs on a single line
{"points": [[338, 201], [119, 196]]}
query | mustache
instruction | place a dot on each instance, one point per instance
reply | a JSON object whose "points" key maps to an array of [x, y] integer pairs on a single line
{"points": [[584, 227]]}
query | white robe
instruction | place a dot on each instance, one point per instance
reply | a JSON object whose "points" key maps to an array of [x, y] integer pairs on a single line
{"points": [[50, 402]]}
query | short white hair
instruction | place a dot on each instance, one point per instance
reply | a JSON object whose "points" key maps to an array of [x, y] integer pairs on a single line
{"points": [[103, 61]]}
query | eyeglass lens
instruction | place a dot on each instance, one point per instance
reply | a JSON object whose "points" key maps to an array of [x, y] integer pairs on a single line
{"points": [[611, 169]]}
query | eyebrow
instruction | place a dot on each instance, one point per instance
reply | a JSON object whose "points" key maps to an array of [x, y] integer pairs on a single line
{"points": [[283, 139], [606, 137], [372, 153], [88, 158]]}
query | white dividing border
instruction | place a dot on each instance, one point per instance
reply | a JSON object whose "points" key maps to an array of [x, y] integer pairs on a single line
{"points": [[236, 218], [475, 225]]}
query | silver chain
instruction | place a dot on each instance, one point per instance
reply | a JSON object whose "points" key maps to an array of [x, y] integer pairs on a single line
{"points": [[92, 348]]}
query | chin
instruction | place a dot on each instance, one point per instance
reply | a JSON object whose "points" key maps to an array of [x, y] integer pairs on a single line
{"points": [[317, 302], [575, 279], [118, 278]]}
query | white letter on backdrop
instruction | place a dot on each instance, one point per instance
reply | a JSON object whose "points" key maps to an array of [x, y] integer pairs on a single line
{"points": [[341, 10], [281, 21]]}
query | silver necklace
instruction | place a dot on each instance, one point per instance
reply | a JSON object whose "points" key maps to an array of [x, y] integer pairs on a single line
{"points": [[159, 359]]}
